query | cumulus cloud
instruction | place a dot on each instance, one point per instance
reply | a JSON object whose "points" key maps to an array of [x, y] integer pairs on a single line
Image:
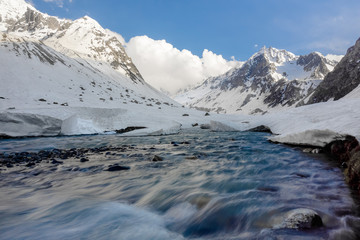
{"points": [[169, 69]]}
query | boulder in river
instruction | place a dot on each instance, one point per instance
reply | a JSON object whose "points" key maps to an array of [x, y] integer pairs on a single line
{"points": [[301, 218]]}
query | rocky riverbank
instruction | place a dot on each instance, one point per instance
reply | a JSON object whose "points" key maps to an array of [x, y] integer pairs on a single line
{"points": [[347, 153]]}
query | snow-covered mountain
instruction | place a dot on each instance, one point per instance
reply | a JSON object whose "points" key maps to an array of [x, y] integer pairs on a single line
{"points": [[75, 72], [270, 80], [83, 38]]}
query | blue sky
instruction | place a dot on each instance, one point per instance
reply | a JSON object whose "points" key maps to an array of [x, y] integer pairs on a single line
{"points": [[228, 27]]}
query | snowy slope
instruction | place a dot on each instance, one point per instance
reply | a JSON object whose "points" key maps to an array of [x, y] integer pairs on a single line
{"points": [[70, 77], [83, 38], [269, 81]]}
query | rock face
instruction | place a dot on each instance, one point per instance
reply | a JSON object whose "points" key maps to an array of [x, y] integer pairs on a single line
{"points": [[341, 81], [271, 79]]}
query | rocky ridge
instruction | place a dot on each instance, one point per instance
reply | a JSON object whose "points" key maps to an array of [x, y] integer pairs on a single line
{"points": [[270, 80], [344, 79]]}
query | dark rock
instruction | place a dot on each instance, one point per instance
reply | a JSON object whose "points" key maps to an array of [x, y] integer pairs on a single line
{"points": [[302, 175], [353, 172], [347, 153], [185, 115], [114, 168], [30, 164], [302, 218], [9, 165], [260, 128], [268, 189], [341, 150], [128, 129], [84, 160], [56, 162], [344, 165], [157, 158], [205, 126]]}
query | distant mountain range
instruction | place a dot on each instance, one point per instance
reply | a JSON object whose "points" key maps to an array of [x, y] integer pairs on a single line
{"points": [[270, 80]]}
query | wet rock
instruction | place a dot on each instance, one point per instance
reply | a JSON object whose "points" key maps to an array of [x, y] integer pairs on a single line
{"points": [[261, 128], [268, 189], [347, 153], [128, 129], [30, 164], [302, 175], [114, 168], [54, 161], [84, 160], [342, 149], [205, 126], [200, 200], [301, 218], [344, 165], [157, 158], [353, 172], [9, 165], [316, 151]]}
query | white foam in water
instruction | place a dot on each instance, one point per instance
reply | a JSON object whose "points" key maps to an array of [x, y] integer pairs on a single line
{"points": [[109, 220]]}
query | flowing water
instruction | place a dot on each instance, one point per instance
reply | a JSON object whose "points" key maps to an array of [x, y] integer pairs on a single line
{"points": [[210, 185]]}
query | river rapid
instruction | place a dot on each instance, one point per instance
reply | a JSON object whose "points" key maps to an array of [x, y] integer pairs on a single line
{"points": [[200, 185]]}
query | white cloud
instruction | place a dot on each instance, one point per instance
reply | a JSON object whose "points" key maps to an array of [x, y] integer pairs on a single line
{"points": [[169, 69], [59, 3]]}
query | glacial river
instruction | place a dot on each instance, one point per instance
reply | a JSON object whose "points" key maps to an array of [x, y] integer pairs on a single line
{"points": [[204, 185]]}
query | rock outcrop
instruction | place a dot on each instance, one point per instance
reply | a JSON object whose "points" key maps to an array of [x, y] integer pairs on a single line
{"points": [[347, 153], [341, 81]]}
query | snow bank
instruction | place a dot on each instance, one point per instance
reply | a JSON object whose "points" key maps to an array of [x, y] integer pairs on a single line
{"points": [[27, 124], [318, 138], [316, 124], [222, 127]]}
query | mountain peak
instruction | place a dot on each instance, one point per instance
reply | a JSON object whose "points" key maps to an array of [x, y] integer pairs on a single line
{"points": [[88, 21], [275, 55], [12, 9]]}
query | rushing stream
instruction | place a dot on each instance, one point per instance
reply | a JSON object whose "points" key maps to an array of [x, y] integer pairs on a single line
{"points": [[209, 185]]}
